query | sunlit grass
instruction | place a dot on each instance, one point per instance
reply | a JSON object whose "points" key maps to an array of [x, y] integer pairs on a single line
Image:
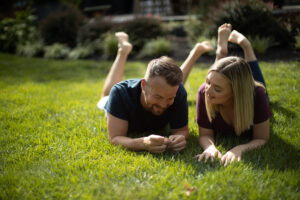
{"points": [[53, 142]]}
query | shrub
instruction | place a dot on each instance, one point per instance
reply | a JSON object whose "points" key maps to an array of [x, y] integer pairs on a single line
{"points": [[195, 28], [17, 31], [92, 31], [297, 44], [141, 30], [260, 45], [252, 19], [156, 47], [62, 27], [110, 46], [175, 28], [81, 52], [30, 49], [56, 51]]}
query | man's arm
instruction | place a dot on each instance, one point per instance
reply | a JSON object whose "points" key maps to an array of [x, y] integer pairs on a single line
{"points": [[117, 134]]}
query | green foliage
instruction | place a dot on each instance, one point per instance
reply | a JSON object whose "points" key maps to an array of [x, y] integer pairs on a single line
{"points": [[30, 49], [56, 51], [17, 31], [195, 28], [110, 46], [260, 45], [93, 30], [156, 47], [252, 19], [54, 143], [62, 27], [141, 30], [297, 42], [81, 52]]}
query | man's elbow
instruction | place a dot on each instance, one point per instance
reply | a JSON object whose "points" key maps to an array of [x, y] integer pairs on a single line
{"points": [[113, 140]]}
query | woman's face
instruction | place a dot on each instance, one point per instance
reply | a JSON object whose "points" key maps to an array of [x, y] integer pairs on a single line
{"points": [[218, 89]]}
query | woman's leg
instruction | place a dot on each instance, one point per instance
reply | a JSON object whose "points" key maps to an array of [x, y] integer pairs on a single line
{"points": [[195, 53], [243, 42], [115, 74], [223, 34]]}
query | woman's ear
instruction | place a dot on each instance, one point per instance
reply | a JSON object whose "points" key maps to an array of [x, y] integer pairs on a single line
{"points": [[143, 83]]}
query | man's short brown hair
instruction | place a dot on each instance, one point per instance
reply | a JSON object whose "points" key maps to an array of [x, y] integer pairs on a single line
{"points": [[166, 68]]}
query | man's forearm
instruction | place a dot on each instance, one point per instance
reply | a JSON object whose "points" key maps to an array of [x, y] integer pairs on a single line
{"points": [[135, 144]]}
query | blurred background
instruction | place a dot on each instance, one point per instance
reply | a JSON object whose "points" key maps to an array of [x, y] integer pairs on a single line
{"points": [[84, 29]]}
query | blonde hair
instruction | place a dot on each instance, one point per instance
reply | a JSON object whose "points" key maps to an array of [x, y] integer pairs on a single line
{"points": [[239, 74], [166, 68]]}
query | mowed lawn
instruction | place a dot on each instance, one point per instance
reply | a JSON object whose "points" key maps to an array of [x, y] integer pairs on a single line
{"points": [[54, 145]]}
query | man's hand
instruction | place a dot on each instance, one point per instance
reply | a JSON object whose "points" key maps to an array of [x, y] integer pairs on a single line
{"points": [[156, 143], [211, 152], [177, 142]]}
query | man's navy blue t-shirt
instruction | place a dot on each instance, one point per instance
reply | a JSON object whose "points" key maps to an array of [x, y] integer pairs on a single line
{"points": [[124, 103]]}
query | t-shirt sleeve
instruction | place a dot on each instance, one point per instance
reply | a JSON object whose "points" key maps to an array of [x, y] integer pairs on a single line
{"points": [[262, 111], [115, 104], [201, 114], [179, 115]]}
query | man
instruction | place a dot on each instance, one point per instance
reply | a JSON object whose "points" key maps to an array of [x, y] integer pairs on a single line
{"points": [[148, 104]]}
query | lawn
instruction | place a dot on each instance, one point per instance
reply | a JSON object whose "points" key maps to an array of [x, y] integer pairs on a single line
{"points": [[53, 142]]}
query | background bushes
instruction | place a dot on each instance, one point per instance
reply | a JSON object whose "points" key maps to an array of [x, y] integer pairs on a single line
{"points": [[141, 30], [17, 31], [62, 27], [252, 19]]}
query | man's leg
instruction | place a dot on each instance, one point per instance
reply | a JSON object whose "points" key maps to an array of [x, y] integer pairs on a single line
{"points": [[115, 74], [223, 34], [243, 42], [195, 53]]}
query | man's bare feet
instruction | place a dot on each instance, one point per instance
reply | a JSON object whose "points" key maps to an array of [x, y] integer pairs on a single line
{"points": [[203, 47], [238, 38], [223, 35], [124, 45]]}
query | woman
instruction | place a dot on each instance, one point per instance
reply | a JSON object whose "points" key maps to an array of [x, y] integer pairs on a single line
{"points": [[231, 101]]}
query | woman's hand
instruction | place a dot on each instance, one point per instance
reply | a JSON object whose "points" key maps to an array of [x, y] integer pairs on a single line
{"points": [[211, 152], [231, 156]]}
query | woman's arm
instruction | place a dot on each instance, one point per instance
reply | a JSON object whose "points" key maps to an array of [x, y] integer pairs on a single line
{"points": [[261, 133], [207, 142]]}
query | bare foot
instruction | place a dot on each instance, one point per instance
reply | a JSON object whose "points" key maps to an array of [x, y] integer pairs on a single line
{"points": [[124, 45], [203, 47], [223, 35], [238, 38]]}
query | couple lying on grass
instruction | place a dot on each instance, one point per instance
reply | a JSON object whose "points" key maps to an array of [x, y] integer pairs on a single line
{"points": [[232, 100]]}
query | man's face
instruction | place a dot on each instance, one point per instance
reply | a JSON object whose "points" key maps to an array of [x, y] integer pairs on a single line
{"points": [[157, 95]]}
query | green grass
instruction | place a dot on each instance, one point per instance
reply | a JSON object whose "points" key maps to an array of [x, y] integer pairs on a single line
{"points": [[53, 142]]}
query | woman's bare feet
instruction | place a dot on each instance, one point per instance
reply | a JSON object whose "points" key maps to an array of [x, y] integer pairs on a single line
{"points": [[223, 35], [239, 39], [124, 45]]}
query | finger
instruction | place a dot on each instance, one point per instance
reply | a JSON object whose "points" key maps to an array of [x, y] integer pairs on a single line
{"points": [[166, 141], [232, 159], [157, 139], [239, 158], [212, 158], [200, 157], [178, 149], [223, 159], [177, 145], [160, 148], [219, 155], [206, 157]]}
